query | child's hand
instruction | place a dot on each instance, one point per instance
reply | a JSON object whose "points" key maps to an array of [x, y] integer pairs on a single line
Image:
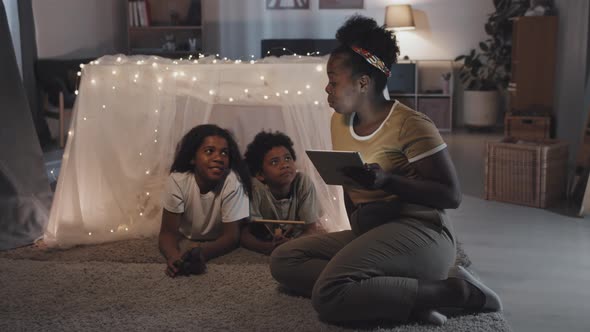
{"points": [[172, 264]]}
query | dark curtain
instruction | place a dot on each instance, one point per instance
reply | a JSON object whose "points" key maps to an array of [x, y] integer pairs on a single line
{"points": [[29, 57], [25, 196]]}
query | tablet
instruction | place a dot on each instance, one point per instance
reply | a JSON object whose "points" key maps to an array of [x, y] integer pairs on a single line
{"points": [[330, 164]]}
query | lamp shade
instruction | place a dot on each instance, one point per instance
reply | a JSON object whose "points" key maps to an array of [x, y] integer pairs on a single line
{"points": [[399, 17]]}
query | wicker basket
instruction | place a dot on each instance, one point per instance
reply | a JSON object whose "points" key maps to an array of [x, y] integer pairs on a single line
{"points": [[530, 173], [527, 127]]}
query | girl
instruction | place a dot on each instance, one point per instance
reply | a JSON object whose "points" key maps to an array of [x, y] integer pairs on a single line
{"points": [[397, 261], [205, 198]]}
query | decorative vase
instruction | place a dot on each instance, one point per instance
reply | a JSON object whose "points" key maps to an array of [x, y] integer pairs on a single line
{"points": [[480, 108]]}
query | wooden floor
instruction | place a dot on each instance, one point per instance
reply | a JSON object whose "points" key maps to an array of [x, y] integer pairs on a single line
{"points": [[537, 260]]}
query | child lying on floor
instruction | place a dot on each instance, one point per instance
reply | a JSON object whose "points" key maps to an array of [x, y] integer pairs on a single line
{"points": [[279, 192], [205, 199]]}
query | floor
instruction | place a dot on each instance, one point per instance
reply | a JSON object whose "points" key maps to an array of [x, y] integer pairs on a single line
{"points": [[537, 260]]}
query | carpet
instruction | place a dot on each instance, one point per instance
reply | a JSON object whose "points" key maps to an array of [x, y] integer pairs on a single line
{"points": [[121, 286]]}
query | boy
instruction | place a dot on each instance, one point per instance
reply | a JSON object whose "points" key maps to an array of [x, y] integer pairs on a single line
{"points": [[279, 192]]}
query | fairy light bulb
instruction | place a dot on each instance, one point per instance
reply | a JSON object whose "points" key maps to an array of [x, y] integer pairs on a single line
{"points": [[84, 118], [277, 94], [245, 90], [141, 214], [160, 80], [93, 81], [307, 86], [118, 59], [194, 78], [214, 61], [112, 230], [319, 68], [316, 102], [76, 92], [104, 106], [79, 74], [231, 100], [147, 172], [252, 62], [154, 64], [114, 87], [299, 92], [140, 154], [148, 193], [89, 233], [211, 92], [156, 110], [114, 72], [261, 78], [286, 92], [265, 97], [82, 65]]}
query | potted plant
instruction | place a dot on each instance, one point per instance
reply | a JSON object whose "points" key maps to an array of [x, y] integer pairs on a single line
{"points": [[487, 70]]}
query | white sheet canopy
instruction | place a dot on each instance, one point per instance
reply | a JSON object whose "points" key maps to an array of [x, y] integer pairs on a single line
{"points": [[131, 112]]}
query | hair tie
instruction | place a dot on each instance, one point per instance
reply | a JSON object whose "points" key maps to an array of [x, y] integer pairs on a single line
{"points": [[373, 60]]}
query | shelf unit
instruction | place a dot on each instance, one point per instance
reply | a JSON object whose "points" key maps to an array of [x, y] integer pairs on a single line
{"points": [[430, 94], [179, 18]]}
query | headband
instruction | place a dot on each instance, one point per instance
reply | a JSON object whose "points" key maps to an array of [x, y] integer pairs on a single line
{"points": [[373, 60]]}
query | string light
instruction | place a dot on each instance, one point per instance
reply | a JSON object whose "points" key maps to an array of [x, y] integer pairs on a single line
{"points": [[177, 74], [76, 92]]}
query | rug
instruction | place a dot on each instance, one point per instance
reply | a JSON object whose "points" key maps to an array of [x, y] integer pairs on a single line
{"points": [[121, 286]]}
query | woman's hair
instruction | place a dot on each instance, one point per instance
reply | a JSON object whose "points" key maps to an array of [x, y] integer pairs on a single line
{"points": [[363, 32], [262, 143], [192, 141]]}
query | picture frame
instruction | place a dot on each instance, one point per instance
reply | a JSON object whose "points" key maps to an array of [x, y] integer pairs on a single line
{"points": [[287, 4], [342, 4]]}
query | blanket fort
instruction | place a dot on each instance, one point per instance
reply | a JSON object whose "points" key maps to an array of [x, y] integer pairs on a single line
{"points": [[131, 112]]}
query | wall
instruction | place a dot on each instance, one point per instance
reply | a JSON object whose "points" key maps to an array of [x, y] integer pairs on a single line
{"points": [[11, 8], [79, 28], [444, 28], [571, 105]]}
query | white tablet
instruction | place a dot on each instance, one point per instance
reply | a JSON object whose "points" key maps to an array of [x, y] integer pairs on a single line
{"points": [[330, 164]]}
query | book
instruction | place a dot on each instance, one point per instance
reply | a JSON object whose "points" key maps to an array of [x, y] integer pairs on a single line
{"points": [[331, 165]]}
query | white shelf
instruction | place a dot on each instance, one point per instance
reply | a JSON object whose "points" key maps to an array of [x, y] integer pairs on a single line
{"points": [[438, 106]]}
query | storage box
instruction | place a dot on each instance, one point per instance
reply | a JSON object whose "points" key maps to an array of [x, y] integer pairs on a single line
{"points": [[437, 109], [530, 173], [527, 127]]}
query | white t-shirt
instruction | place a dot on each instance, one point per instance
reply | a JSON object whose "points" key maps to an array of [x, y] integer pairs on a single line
{"points": [[203, 214]]}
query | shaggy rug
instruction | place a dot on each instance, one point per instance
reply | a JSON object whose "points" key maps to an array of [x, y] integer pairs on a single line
{"points": [[121, 286]]}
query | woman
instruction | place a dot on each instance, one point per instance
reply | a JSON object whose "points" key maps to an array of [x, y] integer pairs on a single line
{"points": [[397, 261]]}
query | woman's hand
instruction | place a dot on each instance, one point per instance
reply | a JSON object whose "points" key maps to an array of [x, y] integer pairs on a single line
{"points": [[370, 176]]}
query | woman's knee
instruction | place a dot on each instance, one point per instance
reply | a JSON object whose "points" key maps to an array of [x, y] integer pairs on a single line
{"points": [[282, 262]]}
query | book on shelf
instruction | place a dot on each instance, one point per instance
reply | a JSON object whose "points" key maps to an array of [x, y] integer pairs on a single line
{"points": [[139, 13]]}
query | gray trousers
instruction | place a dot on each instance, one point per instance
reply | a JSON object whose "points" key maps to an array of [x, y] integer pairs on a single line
{"points": [[372, 274]]}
